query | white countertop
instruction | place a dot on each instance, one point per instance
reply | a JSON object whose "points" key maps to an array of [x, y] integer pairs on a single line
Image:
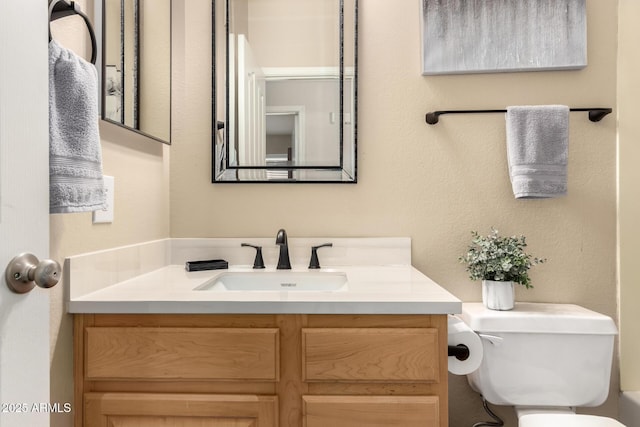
{"points": [[370, 289]]}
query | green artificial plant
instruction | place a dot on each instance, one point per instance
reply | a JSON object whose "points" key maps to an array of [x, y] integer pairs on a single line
{"points": [[499, 258]]}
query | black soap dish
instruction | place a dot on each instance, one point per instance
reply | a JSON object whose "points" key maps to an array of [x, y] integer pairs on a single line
{"points": [[211, 264]]}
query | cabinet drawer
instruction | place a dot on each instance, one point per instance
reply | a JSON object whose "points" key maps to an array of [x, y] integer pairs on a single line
{"points": [[370, 411], [182, 353], [370, 354], [185, 410]]}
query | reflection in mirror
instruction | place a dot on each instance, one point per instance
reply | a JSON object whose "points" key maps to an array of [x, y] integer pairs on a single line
{"points": [[290, 91], [137, 66]]}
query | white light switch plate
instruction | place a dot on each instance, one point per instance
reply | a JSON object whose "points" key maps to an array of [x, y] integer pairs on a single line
{"points": [[106, 215]]}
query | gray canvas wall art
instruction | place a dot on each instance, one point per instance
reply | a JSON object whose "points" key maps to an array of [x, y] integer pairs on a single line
{"points": [[484, 36]]}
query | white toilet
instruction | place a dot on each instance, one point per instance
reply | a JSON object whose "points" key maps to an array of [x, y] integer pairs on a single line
{"points": [[544, 359]]}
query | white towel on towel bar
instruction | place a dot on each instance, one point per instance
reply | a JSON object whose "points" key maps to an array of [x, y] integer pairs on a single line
{"points": [[75, 154], [537, 150]]}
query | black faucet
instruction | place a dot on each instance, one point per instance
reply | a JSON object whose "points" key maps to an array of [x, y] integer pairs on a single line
{"points": [[283, 259]]}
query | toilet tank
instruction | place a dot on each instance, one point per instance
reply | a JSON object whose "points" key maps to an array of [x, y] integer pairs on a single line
{"points": [[542, 354]]}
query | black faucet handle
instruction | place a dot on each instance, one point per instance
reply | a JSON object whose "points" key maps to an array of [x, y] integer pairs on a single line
{"points": [[314, 263], [258, 262]]}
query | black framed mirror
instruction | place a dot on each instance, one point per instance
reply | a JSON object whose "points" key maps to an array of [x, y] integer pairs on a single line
{"points": [[136, 66], [285, 91]]}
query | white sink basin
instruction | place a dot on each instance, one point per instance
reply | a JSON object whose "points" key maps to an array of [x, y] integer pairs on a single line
{"points": [[294, 281]]}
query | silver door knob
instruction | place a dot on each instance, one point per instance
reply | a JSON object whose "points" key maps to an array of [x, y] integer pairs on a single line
{"points": [[25, 271]]}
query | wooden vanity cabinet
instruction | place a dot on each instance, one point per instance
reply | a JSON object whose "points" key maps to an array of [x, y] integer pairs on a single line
{"points": [[260, 370]]}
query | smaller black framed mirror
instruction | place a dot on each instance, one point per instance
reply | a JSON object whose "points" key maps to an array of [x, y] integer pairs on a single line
{"points": [[136, 65]]}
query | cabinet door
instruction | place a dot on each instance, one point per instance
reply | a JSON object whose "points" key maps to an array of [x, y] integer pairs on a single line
{"points": [[179, 410], [371, 411]]}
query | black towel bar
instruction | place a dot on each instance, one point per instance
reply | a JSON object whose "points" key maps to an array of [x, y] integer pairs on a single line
{"points": [[595, 114]]}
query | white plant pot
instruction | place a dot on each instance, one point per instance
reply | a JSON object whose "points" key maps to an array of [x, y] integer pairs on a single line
{"points": [[498, 295]]}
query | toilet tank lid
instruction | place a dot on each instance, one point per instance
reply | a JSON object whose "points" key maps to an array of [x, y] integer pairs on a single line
{"points": [[538, 318]]}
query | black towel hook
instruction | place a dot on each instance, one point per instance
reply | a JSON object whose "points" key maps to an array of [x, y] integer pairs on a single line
{"points": [[62, 8]]}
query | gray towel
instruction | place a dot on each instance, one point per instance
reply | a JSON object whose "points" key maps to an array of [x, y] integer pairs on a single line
{"points": [[75, 156], [537, 149]]}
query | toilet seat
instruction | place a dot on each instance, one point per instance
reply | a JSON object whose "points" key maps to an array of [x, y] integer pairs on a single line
{"points": [[566, 420]]}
